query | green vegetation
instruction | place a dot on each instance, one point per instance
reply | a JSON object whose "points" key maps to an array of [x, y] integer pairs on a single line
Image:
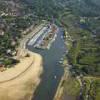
{"points": [[13, 21], [71, 87], [91, 90], [84, 53]]}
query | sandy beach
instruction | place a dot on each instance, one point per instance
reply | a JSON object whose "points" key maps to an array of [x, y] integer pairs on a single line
{"points": [[20, 82]]}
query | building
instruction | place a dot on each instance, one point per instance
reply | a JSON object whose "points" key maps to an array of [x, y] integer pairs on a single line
{"points": [[1, 32]]}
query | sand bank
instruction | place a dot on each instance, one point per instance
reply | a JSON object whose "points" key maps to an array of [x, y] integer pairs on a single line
{"points": [[20, 82]]}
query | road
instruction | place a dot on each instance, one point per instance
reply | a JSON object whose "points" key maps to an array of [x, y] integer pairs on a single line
{"points": [[34, 39], [23, 41]]}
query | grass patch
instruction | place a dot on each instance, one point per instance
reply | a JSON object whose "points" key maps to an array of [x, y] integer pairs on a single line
{"points": [[72, 86]]}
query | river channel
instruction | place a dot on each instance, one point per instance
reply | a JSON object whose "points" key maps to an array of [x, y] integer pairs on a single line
{"points": [[53, 70]]}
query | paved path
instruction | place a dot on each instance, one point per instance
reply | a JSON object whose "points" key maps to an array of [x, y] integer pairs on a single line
{"points": [[27, 37]]}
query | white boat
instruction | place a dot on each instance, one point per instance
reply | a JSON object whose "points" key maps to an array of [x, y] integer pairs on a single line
{"points": [[60, 62], [55, 76]]}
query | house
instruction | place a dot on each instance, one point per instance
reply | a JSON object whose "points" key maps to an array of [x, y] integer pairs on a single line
{"points": [[13, 43], [1, 32], [8, 51], [4, 14]]}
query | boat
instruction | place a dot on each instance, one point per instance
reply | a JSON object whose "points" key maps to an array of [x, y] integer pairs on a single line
{"points": [[60, 62], [55, 76]]}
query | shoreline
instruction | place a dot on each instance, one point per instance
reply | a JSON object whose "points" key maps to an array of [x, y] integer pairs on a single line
{"points": [[60, 88]]}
